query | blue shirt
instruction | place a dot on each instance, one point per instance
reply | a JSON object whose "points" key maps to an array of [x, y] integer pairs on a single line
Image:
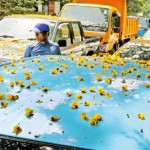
{"points": [[37, 48]]}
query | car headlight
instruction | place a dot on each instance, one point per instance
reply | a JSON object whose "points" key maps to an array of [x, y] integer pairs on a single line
{"points": [[103, 48]]}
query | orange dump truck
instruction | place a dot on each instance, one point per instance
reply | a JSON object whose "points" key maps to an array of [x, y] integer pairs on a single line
{"points": [[106, 19]]}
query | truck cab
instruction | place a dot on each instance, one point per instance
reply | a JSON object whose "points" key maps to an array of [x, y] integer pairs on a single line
{"points": [[103, 19]]}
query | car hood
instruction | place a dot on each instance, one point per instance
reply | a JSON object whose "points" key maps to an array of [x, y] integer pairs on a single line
{"points": [[10, 49]]}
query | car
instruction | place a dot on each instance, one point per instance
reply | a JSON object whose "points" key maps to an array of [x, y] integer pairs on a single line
{"points": [[146, 35], [143, 26], [136, 49], [16, 34]]}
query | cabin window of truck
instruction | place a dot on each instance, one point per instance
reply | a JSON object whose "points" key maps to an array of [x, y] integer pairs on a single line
{"points": [[76, 32], [64, 33], [92, 18]]}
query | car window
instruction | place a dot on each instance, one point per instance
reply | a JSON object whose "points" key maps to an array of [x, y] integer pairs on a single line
{"points": [[21, 27], [63, 33], [147, 35], [77, 32]]}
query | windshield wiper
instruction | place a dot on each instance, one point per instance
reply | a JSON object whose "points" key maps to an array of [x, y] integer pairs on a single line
{"points": [[6, 36]]}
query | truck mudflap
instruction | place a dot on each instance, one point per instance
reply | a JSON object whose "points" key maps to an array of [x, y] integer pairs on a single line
{"points": [[75, 102]]}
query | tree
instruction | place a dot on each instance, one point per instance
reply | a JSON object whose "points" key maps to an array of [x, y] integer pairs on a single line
{"points": [[135, 6], [146, 9], [19, 6]]}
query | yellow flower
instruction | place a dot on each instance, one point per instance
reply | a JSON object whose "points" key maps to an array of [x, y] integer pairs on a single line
{"points": [[98, 78], [84, 116], [28, 112], [148, 76], [90, 66], [114, 73], [69, 94], [4, 67], [11, 84], [93, 122], [11, 97], [45, 89], [83, 90], [33, 83], [141, 116], [78, 96], [1, 79], [27, 75], [123, 81], [138, 75], [92, 89], [98, 117], [17, 129], [36, 60], [74, 105], [4, 104], [54, 118], [108, 80], [2, 96], [148, 85], [64, 66], [105, 66], [123, 73], [79, 63], [125, 88], [13, 71], [108, 95], [101, 91], [86, 103], [21, 60], [54, 70], [80, 79], [41, 68], [103, 72]]}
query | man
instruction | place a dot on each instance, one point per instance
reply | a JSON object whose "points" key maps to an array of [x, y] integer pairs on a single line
{"points": [[42, 46]]}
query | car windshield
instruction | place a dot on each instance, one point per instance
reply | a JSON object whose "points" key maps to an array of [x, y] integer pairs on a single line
{"points": [[136, 51], [21, 27], [143, 23], [92, 18], [147, 35]]}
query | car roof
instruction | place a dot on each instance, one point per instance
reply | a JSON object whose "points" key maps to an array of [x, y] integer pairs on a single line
{"points": [[93, 5], [43, 17]]}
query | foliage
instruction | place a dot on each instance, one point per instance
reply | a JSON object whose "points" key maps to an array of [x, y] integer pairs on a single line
{"points": [[137, 6], [18, 6]]}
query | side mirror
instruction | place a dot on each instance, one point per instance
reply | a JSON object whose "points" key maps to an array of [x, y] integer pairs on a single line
{"points": [[116, 30], [62, 43]]}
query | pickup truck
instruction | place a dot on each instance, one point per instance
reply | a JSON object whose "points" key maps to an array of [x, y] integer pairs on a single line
{"points": [[16, 35]]}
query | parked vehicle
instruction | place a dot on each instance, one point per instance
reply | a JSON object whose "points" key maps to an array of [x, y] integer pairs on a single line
{"points": [[137, 49], [16, 35], [146, 35], [104, 18], [143, 26]]}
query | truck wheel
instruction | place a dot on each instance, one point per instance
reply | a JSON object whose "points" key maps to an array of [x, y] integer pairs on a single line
{"points": [[90, 53], [112, 51], [115, 48]]}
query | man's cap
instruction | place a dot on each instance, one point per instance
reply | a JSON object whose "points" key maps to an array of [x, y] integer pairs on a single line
{"points": [[41, 27]]}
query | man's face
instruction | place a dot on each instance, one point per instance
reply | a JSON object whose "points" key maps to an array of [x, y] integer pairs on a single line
{"points": [[41, 37]]}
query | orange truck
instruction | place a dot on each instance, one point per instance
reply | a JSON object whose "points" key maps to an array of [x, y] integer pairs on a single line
{"points": [[106, 19]]}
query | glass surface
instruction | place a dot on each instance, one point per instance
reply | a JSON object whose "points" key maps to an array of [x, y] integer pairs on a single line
{"points": [[21, 27], [92, 18]]}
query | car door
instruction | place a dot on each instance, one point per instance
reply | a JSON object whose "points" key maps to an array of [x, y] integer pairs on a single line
{"points": [[78, 43], [64, 38]]}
